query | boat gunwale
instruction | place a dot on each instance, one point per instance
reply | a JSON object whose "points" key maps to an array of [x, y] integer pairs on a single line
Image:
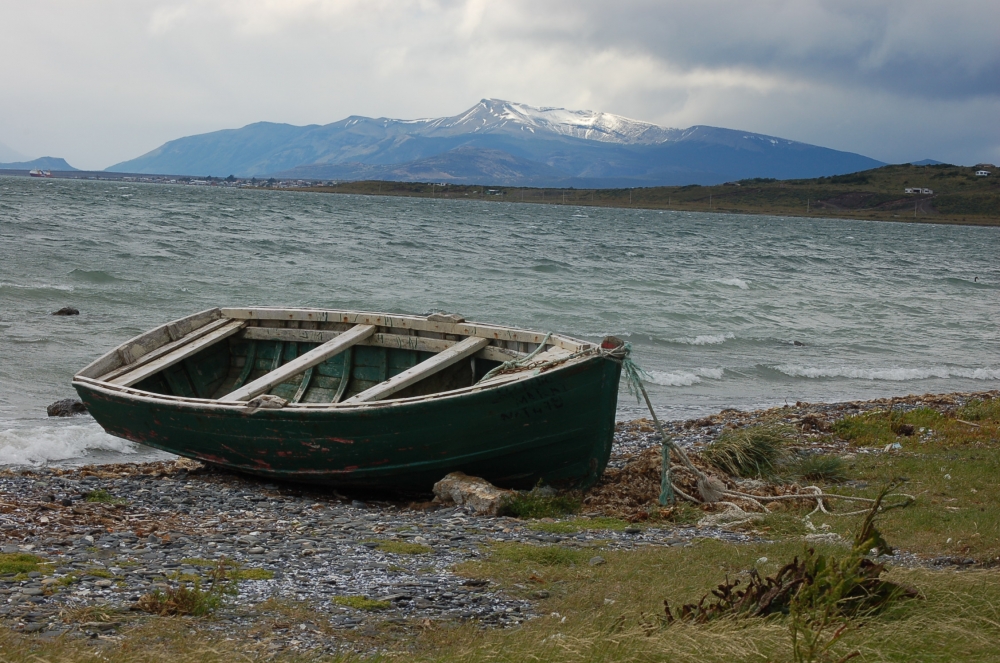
{"points": [[578, 349], [216, 404]]}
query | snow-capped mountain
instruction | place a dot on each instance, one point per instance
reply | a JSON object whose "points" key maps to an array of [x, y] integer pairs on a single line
{"points": [[528, 146], [495, 115]]}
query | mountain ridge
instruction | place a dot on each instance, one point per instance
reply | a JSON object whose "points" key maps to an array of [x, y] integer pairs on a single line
{"points": [[41, 163], [530, 145]]}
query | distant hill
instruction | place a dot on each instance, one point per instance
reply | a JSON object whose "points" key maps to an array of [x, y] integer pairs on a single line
{"points": [[958, 195], [506, 143], [9, 154], [927, 162], [42, 163]]}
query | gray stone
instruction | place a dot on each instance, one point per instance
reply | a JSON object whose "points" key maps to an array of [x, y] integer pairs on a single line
{"points": [[66, 408], [597, 560]]}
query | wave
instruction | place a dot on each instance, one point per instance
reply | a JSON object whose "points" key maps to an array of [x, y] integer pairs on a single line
{"points": [[94, 276], [890, 374], [36, 445], [739, 283], [684, 378], [38, 286], [706, 339]]}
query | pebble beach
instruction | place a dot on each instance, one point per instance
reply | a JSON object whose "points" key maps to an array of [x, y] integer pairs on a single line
{"points": [[107, 535]]}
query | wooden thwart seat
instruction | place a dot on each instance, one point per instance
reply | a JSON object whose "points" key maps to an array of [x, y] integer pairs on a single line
{"points": [[438, 362], [312, 358], [177, 352]]}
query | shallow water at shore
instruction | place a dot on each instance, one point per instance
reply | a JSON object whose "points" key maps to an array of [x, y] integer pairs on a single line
{"points": [[721, 310]]}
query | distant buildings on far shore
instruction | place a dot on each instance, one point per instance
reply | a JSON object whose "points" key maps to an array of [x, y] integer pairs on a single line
{"points": [[917, 189]]}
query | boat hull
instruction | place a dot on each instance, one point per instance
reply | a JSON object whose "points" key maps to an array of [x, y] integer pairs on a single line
{"points": [[555, 427]]}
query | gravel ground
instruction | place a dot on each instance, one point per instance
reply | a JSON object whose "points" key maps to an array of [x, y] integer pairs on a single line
{"points": [[317, 546]]}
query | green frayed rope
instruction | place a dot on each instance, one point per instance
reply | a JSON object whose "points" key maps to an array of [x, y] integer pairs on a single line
{"points": [[516, 363], [634, 376]]}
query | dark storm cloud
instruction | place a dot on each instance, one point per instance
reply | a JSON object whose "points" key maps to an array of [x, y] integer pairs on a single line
{"points": [[105, 81]]}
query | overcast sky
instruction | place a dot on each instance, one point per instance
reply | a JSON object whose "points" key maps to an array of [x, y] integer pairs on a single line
{"points": [[100, 82]]}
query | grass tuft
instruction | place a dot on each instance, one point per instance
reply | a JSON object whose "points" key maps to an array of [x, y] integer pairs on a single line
{"points": [[519, 553], [103, 497], [818, 467], [981, 410], [538, 504], [191, 599], [362, 603], [750, 452], [18, 563]]}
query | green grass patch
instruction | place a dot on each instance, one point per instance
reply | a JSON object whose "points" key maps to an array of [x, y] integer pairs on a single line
{"points": [[103, 497], [580, 525], [99, 573], [199, 561], [821, 468], [196, 599], [404, 548], [362, 603], [19, 563], [253, 574], [538, 504], [750, 452], [981, 410], [887, 426], [521, 553]]}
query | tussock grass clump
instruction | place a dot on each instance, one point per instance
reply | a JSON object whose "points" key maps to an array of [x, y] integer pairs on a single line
{"points": [[540, 504], [103, 497], [519, 553], [253, 574], [361, 603], [191, 599], [19, 563], [818, 467], [752, 452], [404, 548], [981, 410]]}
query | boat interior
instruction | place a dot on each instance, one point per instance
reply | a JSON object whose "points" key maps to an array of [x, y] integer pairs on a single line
{"points": [[307, 356]]}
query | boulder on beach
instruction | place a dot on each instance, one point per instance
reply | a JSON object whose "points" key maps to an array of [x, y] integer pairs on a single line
{"points": [[67, 407], [479, 494], [67, 310]]}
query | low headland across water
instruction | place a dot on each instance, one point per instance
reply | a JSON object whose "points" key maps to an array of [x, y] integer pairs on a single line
{"points": [[132, 561], [956, 195]]}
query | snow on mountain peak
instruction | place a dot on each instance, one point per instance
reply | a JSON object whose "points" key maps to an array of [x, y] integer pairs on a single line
{"points": [[491, 115]]}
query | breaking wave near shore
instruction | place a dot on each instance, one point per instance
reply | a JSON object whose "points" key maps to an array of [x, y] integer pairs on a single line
{"points": [[50, 442], [890, 374]]}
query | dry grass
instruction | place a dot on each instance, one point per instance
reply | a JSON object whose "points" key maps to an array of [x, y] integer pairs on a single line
{"points": [[750, 452]]}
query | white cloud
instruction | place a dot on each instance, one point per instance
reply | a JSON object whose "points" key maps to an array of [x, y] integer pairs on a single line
{"points": [[106, 81]]}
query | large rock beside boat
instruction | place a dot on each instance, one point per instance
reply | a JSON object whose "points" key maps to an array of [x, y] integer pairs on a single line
{"points": [[478, 494], [67, 407]]}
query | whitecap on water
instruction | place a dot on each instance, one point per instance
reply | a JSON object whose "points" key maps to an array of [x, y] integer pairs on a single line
{"points": [[706, 339], [684, 378], [739, 283], [35, 445], [894, 374]]}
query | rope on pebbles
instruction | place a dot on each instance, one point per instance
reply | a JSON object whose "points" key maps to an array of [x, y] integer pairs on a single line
{"points": [[710, 489]]}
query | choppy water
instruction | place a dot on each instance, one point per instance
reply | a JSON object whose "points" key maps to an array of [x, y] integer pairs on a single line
{"points": [[714, 305]]}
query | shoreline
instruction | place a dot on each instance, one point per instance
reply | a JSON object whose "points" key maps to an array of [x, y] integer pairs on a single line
{"points": [[153, 524]]}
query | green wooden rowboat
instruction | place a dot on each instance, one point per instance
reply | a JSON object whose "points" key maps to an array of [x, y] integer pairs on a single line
{"points": [[365, 400]]}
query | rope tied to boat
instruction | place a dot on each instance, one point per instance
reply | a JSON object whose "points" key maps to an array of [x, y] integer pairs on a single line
{"points": [[711, 489], [517, 364]]}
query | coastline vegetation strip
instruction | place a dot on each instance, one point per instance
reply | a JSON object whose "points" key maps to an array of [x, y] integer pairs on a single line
{"points": [[959, 195]]}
